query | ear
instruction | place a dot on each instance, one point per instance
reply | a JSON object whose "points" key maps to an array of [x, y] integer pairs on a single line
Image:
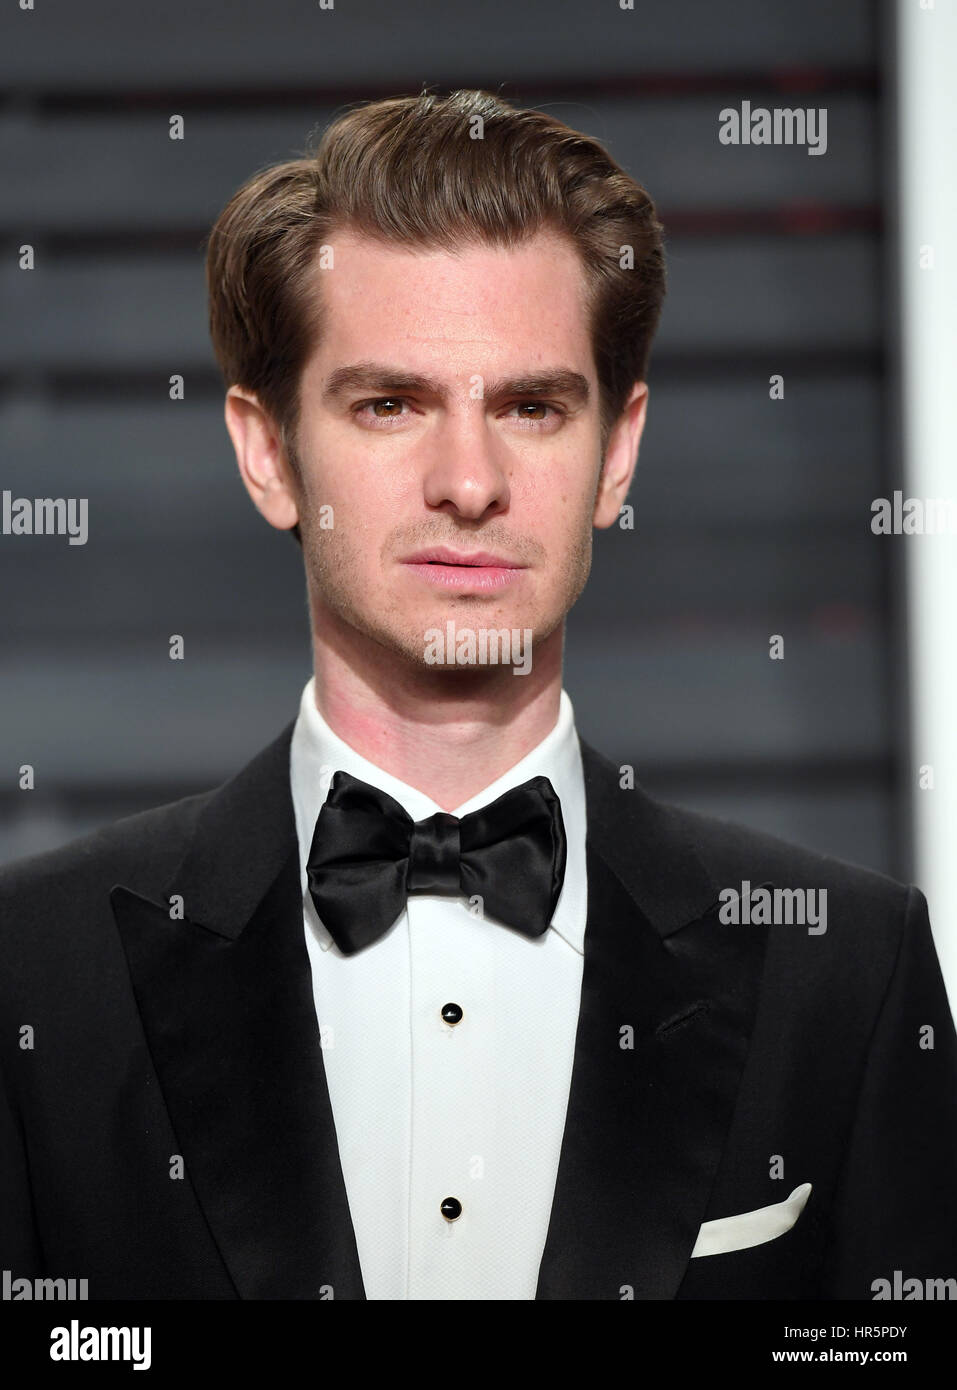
{"points": [[621, 456], [262, 461]]}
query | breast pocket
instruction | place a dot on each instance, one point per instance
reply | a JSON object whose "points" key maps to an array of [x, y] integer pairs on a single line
{"points": [[773, 1252]]}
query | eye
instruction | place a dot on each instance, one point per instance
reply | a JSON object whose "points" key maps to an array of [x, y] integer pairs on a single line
{"points": [[385, 408], [381, 409], [536, 412]]}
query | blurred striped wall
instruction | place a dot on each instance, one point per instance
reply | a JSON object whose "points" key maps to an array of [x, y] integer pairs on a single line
{"points": [[752, 516]]}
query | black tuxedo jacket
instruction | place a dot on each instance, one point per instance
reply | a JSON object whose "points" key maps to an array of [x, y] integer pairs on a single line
{"points": [[137, 1046]]}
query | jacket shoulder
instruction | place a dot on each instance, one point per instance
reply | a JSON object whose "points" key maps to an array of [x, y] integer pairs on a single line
{"points": [[146, 846], [730, 848], [731, 853]]}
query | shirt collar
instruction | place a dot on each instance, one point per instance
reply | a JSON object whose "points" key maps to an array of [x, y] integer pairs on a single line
{"points": [[316, 753]]}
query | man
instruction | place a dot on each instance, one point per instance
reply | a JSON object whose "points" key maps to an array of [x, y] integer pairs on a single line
{"points": [[430, 1001]]}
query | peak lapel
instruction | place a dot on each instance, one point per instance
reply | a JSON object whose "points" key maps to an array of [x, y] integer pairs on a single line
{"points": [[227, 1007], [646, 1122]]}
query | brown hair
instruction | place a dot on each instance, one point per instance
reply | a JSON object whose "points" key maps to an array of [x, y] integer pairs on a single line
{"points": [[436, 171]]}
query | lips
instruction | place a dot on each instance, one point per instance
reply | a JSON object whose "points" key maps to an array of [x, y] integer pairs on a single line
{"points": [[464, 572], [478, 559]]}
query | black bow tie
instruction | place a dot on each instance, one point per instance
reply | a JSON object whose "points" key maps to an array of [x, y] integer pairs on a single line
{"points": [[368, 855]]}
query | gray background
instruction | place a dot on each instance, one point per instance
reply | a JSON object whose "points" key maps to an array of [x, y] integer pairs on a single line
{"points": [[752, 516]]}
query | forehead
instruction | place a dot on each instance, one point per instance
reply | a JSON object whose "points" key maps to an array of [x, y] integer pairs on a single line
{"points": [[455, 311]]}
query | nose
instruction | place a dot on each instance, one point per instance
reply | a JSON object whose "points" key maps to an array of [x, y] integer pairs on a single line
{"points": [[465, 470]]}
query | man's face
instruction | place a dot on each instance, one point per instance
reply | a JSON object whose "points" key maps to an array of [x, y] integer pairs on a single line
{"points": [[449, 419]]}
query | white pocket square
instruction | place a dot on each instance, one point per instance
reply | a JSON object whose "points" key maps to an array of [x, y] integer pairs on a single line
{"points": [[751, 1227]]}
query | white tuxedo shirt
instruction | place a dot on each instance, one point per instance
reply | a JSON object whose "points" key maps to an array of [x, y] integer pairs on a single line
{"points": [[424, 1109]]}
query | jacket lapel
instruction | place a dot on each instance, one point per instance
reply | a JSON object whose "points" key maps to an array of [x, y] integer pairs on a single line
{"points": [[667, 1006], [225, 995]]}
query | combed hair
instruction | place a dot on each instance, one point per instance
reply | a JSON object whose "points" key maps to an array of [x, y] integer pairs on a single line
{"points": [[436, 172]]}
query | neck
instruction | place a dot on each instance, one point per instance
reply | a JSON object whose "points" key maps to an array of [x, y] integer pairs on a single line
{"points": [[449, 734]]}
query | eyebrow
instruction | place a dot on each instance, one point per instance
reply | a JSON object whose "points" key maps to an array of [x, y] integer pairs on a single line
{"points": [[381, 379]]}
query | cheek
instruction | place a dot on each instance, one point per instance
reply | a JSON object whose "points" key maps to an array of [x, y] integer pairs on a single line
{"points": [[564, 508], [362, 499]]}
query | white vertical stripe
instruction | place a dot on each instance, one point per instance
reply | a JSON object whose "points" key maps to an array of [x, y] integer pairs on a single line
{"points": [[927, 134]]}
